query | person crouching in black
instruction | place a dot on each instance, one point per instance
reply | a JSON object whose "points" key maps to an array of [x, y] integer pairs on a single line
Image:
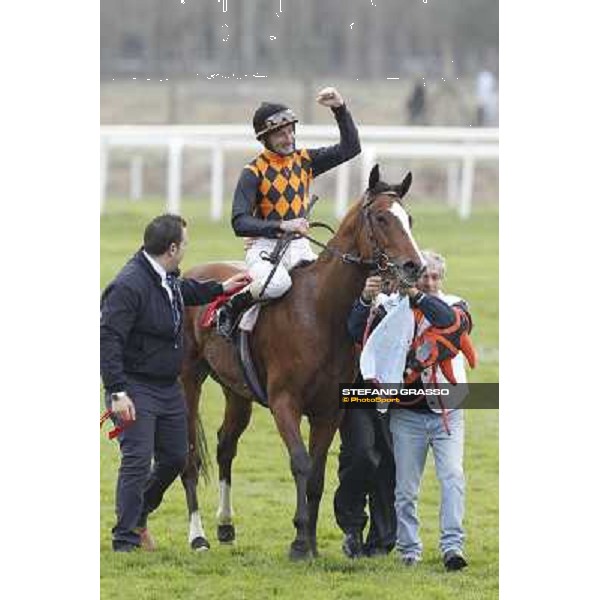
{"points": [[366, 467]]}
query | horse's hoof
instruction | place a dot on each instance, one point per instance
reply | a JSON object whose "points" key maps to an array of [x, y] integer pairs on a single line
{"points": [[200, 544], [299, 551], [226, 534]]}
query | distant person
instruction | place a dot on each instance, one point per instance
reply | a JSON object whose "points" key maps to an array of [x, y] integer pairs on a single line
{"points": [[417, 105], [272, 196], [141, 352], [486, 93]]}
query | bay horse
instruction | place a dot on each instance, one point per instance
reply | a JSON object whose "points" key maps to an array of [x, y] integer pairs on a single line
{"points": [[302, 351]]}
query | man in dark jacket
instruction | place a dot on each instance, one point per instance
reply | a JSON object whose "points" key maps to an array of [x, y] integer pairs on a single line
{"points": [[141, 351], [272, 197]]}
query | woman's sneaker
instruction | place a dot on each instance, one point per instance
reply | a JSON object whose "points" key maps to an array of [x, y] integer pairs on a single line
{"points": [[410, 560]]}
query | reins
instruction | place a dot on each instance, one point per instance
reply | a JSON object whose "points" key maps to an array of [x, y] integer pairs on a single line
{"points": [[381, 262]]}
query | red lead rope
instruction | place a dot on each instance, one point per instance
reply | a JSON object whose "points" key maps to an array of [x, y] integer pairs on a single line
{"points": [[115, 431]]}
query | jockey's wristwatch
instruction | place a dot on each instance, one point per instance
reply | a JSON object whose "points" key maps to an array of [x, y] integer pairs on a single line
{"points": [[117, 396]]}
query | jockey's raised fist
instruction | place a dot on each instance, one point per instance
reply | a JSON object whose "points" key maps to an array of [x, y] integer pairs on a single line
{"points": [[329, 96]]}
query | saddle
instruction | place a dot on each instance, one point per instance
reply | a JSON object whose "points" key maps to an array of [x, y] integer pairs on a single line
{"points": [[242, 331]]}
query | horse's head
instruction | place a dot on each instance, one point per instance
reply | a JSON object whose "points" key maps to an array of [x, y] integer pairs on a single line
{"points": [[385, 236]]}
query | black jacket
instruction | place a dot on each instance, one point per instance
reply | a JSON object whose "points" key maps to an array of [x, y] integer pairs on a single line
{"points": [[137, 331]]}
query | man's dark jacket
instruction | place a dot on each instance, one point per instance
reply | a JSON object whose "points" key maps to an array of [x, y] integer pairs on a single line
{"points": [[138, 337]]}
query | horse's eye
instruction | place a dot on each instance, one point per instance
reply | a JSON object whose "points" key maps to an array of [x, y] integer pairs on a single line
{"points": [[381, 219]]}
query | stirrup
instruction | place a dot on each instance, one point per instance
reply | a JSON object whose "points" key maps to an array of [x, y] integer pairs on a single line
{"points": [[225, 322]]}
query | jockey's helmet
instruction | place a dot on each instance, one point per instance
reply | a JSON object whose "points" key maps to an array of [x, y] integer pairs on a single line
{"points": [[270, 117]]}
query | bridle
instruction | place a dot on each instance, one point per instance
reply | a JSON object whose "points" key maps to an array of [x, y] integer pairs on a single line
{"points": [[380, 262]]}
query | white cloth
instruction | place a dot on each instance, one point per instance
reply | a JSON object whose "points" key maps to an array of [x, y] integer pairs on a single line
{"points": [[161, 271], [384, 355], [260, 269], [249, 318]]}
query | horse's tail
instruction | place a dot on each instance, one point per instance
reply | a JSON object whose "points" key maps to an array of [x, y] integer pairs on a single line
{"points": [[205, 466]]}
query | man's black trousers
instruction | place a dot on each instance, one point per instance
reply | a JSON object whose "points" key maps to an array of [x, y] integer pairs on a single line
{"points": [[366, 470], [158, 433]]}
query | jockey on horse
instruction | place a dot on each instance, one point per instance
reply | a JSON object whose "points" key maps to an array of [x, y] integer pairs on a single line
{"points": [[272, 197]]}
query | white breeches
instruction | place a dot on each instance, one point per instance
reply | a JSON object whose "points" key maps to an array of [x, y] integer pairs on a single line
{"points": [[260, 269]]}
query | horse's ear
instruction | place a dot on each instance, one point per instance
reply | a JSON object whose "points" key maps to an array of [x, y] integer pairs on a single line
{"points": [[373, 177], [403, 188]]}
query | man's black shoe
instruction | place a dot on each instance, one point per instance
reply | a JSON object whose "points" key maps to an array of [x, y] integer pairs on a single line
{"points": [[454, 561], [352, 545], [230, 311], [124, 547]]}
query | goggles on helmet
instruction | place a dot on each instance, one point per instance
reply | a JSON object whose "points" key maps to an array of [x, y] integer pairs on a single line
{"points": [[280, 119]]}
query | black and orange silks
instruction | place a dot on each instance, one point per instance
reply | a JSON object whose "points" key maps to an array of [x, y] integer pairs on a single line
{"points": [[283, 184]]}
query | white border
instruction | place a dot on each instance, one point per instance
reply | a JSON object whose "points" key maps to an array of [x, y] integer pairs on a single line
{"points": [[548, 185], [49, 311]]}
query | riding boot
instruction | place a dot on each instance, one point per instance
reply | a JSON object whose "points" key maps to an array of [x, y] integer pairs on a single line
{"points": [[230, 311]]}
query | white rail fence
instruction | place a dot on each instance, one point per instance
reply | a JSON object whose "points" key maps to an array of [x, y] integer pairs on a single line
{"points": [[460, 147]]}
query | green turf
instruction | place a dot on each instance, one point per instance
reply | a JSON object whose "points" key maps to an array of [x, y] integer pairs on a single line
{"points": [[263, 491]]}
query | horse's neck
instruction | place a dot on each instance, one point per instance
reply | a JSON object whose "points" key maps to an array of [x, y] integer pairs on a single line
{"points": [[340, 282]]}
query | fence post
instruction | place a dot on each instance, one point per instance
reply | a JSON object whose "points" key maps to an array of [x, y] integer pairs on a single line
{"points": [[453, 182], [217, 183], [466, 192], [135, 177], [103, 173], [174, 177], [342, 189]]}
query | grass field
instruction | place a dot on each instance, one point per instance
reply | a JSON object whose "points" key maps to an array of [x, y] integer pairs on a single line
{"points": [[263, 490]]}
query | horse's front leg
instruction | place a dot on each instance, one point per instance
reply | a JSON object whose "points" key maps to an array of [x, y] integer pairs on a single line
{"points": [[321, 436], [287, 419]]}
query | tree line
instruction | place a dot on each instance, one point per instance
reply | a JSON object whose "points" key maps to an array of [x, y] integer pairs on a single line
{"points": [[348, 38]]}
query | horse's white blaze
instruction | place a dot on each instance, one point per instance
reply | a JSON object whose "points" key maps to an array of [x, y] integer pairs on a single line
{"points": [[225, 510], [402, 216], [196, 529]]}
